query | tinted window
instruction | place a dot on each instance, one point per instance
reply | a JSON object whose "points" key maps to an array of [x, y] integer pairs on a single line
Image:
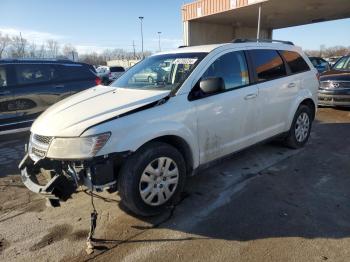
{"points": [[72, 72], [232, 67], [117, 69], [34, 73], [268, 64], [295, 62], [3, 77]]}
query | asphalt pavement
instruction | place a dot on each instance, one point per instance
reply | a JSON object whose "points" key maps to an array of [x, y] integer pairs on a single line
{"points": [[267, 203]]}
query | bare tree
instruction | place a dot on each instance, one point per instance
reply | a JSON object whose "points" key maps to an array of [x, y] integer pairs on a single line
{"points": [[32, 50], [52, 48], [5, 41], [69, 51], [18, 47]]}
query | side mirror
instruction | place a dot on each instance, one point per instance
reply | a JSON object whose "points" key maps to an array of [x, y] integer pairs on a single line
{"points": [[212, 85]]}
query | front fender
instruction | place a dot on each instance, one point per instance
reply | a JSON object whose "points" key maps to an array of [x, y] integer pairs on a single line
{"points": [[139, 136]]}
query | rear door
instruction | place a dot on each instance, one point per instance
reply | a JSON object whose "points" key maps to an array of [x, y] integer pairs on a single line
{"points": [[7, 107], [275, 91], [77, 77], [36, 89]]}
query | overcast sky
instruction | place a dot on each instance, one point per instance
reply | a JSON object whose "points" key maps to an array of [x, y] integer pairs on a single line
{"points": [[93, 25]]}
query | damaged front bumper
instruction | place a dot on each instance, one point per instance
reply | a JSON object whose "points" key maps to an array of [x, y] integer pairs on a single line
{"points": [[57, 180]]}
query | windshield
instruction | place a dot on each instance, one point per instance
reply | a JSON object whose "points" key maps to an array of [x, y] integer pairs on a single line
{"points": [[343, 64], [165, 72]]}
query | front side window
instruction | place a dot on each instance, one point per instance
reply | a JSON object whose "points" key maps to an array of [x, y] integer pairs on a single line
{"points": [[161, 72], [268, 64], [32, 73], [3, 77], [232, 68], [295, 62]]}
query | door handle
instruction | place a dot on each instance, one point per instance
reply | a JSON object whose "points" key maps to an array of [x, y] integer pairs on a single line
{"points": [[59, 86], [291, 85], [250, 96], [3, 93]]}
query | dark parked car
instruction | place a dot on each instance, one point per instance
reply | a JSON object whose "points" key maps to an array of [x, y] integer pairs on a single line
{"points": [[28, 87], [320, 64], [335, 84]]}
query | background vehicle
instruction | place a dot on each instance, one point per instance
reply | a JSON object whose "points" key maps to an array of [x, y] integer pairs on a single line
{"points": [[115, 72], [333, 60], [103, 73], [28, 87], [335, 85], [146, 138], [147, 75], [320, 64]]}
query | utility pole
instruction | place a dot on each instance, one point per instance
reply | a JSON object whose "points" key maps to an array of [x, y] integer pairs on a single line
{"points": [[133, 46], [141, 20], [160, 49], [259, 24]]}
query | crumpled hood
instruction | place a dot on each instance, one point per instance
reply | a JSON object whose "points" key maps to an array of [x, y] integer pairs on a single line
{"points": [[73, 115]]}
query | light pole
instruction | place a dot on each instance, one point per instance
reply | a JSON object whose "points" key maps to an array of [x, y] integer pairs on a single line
{"points": [[141, 19], [259, 24], [160, 49]]}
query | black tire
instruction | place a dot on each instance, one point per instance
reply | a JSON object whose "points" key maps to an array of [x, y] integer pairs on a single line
{"points": [[150, 80], [130, 175], [291, 140]]}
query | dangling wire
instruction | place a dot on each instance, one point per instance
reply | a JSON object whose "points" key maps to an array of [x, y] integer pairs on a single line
{"points": [[93, 217]]}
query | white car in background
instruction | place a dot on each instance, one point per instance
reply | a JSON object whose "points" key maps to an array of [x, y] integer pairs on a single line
{"points": [[103, 73], [146, 138], [115, 72]]}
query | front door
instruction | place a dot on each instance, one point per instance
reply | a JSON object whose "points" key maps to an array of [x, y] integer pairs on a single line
{"points": [[226, 121]]}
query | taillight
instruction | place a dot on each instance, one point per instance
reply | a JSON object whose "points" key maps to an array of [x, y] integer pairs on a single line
{"points": [[318, 76], [98, 81]]}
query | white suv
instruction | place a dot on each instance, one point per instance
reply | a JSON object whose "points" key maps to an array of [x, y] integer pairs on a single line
{"points": [[144, 138]]}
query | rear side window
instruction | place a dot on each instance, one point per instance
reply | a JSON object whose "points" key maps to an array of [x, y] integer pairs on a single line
{"points": [[295, 62], [232, 67], [3, 77], [34, 73], [268, 64], [117, 69], [76, 72]]}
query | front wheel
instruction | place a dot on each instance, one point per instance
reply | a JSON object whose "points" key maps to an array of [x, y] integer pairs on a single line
{"points": [[150, 80], [152, 179], [300, 130]]}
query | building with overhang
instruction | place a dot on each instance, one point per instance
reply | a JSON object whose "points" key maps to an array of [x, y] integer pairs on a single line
{"points": [[218, 21]]}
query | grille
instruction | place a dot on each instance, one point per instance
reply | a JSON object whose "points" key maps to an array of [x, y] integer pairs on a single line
{"points": [[37, 152], [38, 146], [335, 84], [43, 139]]}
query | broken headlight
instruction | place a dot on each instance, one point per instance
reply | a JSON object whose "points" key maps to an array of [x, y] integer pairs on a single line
{"points": [[77, 147]]}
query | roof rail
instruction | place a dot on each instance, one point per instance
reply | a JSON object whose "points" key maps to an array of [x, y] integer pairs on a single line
{"points": [[245, 40], [36, 59]]}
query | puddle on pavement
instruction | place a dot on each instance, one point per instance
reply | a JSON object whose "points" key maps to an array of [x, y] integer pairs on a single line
{"points": [[55, 234], [3, 244]]}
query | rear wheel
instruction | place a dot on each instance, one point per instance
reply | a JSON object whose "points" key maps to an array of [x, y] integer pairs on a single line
{"points": [[152, 179], [299, 132]]}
